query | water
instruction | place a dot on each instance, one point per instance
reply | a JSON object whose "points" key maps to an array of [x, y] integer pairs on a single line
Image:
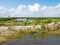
{"points": [[36, 39]]}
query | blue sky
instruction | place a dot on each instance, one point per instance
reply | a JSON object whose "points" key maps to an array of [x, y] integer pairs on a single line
{"points": [[14, 3], [44, 6]]}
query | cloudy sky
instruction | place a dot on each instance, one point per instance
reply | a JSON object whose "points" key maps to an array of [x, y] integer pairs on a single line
{"points": [[30, 8]]}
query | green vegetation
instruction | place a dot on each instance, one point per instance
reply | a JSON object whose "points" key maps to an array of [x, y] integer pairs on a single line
{"points": [[27, 21]]}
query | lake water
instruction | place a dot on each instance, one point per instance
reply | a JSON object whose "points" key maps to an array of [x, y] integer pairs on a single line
{"points": [[36, 39]]}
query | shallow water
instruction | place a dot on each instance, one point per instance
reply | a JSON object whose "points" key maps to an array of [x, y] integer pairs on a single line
{"points": [[42, 39]]}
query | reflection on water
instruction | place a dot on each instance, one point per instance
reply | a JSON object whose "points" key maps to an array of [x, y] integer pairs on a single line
{"points": [[36, 39]]}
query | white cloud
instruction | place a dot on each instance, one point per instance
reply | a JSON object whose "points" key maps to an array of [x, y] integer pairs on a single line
{"points": [[58, 6], [36, 10], [44, 8], [2, 10]]}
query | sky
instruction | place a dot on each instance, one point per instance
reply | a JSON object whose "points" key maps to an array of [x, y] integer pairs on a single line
{"points": [[30, 8]]}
